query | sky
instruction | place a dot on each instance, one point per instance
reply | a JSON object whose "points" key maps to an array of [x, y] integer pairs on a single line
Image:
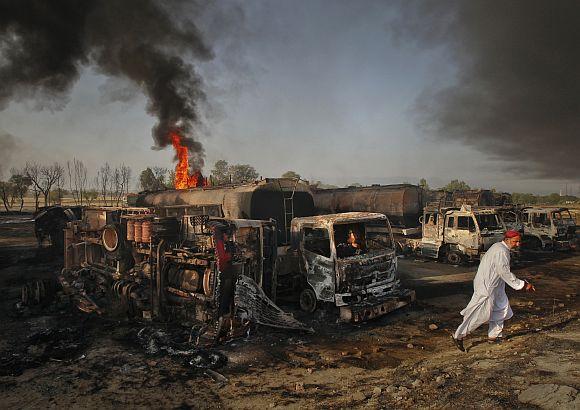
{"points": [[323, 88]]}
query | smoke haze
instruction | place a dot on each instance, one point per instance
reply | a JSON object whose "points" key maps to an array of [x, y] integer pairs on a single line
{"points": [[517, 84], [8, 145], [45, 44]]}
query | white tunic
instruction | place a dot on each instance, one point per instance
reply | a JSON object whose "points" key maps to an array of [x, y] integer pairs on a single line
{"points": [[489, 301]]}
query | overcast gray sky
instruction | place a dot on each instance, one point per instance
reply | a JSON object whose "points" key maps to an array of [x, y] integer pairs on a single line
{"points": [[319, 87]]}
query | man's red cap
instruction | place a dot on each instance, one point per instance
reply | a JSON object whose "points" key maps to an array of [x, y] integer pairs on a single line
{"points": [[511, 234]]}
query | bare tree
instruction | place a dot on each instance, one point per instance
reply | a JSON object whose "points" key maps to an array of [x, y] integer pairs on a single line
{"points": [[114, 177], [77, 177], [103, 181], [126, 176], [32, 171], [44, 177], [59, 181], [121, 178]]}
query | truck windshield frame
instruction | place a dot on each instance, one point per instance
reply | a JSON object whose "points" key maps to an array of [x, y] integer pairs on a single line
{"points": [[561, 215], [370, 236], [489, 222], [317, 240]]}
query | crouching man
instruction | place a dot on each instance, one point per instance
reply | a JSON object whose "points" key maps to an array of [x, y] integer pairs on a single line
{"points": [[489, 303]]}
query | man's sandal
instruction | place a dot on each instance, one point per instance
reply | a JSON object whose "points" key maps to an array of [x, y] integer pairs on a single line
{"points": [[458, 343]]}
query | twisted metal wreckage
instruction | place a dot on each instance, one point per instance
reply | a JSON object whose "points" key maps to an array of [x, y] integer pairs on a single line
{"points": [[215, 274]]}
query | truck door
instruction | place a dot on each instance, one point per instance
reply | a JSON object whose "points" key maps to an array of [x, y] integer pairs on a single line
{"points": [[318, 262], [430, 242], [449, 232], [467, 232]]}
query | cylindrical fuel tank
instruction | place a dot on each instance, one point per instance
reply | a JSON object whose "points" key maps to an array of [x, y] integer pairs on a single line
{"points": [[138, 235], [402, 203], [146, 231], [280, 199], [130, 230]]}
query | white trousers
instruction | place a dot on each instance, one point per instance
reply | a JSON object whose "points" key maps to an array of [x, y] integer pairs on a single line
{"points": [[494, 330]]}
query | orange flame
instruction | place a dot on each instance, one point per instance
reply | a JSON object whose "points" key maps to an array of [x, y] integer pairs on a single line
{"points": [[182, 178]]}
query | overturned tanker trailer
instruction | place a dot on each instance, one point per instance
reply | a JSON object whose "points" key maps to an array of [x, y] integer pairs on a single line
{"points": [[214, 274], [309, 265]]}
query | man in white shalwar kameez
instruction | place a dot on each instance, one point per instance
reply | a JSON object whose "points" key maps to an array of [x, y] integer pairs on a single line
{"points": [[489, 303]]}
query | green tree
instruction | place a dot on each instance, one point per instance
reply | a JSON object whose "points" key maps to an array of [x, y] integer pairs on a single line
{"points": [[321, 185], [221, 172], [20, 184], [243, 173], [7, 194], [170, 183], [524, 199], [291, 174], [153, 179], [456, 185], [423, 184]]}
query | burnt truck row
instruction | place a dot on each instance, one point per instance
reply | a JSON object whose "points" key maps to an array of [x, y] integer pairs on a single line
{"points": [[454, 226], [219, 258]]}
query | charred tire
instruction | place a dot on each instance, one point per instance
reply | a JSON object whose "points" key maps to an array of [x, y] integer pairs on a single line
{"points": [[454, 257], [308, 300]]}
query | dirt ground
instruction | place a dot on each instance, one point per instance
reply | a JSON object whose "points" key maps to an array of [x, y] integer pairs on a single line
{"points": [[51, 356]]}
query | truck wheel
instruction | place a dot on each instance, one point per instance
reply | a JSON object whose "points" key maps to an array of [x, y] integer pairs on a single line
{"points": [[454, 257], [308, 300]]}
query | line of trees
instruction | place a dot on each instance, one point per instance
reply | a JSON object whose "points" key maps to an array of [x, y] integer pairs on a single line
{"points": [[224, 173], [156, 178], [49, 183]]}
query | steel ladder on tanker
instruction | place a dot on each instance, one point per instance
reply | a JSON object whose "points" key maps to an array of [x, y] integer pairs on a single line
{"points": [[288, 207]]}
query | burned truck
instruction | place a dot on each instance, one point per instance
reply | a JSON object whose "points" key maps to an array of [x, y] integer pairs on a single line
{"points": [[548, 228], [346, 260], [214, 274], [289, 203], [439, 230], [456, 234]]}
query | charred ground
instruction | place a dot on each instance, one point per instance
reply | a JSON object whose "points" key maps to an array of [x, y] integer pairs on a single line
{"points": [[52, 356]]}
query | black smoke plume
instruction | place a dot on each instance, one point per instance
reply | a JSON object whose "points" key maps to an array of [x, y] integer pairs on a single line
{"points": [[45, 44], [516, 95]]}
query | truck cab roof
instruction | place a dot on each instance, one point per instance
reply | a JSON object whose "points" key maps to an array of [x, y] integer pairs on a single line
{"points": [[331, 219]]}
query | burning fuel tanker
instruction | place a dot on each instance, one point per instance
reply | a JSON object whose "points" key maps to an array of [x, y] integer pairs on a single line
{"points": [[280, 199], [401, 203]]}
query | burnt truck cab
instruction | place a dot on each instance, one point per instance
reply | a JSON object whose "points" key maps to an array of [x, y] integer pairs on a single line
{"points": [[548, 228], [459, 234], [347, 260]]}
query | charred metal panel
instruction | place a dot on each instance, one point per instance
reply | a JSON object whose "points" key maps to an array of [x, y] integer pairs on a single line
{"points": [[320, 275], [359, 272]]}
